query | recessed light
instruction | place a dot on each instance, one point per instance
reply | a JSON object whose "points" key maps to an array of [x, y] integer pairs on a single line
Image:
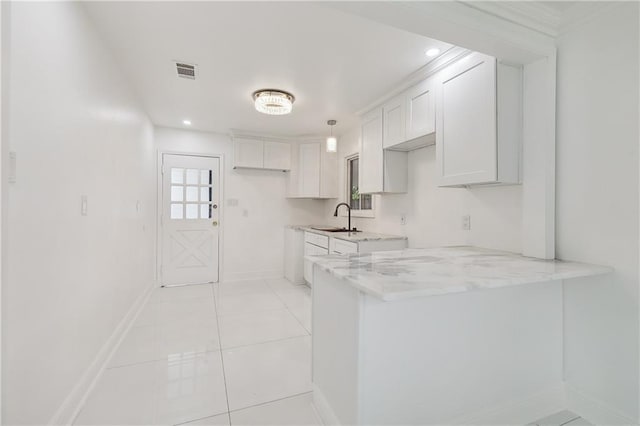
{"points": [[186, 122], [432, 52]]}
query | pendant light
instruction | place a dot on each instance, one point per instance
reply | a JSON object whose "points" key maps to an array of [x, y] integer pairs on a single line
{"points": [[332, 142]]}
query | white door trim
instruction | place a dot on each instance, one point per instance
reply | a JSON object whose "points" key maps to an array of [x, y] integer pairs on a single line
{"points": [[220, 157]]}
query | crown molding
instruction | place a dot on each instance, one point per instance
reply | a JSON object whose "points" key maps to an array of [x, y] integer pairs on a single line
{"points": [[533, 15], [246, 134], [445, 59]]}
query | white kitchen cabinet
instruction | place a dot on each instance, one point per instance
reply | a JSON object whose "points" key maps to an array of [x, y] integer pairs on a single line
{"points": [[409, 119], [393, 121], [420, 110], [313, 172], [248, 153], [319, 245], [261, 154], [479, 122], [294, 255], [277, 155], [380, 170]]}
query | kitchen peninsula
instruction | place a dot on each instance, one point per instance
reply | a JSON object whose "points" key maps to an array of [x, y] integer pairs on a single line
{"points": [[442, 335]]}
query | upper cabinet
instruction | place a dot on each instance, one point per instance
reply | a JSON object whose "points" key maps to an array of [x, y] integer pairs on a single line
{"points": [[421, 110], [380, 170], [409, 119], [261, 154], [248, 153], [479, 124], [277, 155], [314, 172]]}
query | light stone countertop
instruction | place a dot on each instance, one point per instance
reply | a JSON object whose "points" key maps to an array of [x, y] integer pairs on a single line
{"points": [[349, 236], [409, 273]]}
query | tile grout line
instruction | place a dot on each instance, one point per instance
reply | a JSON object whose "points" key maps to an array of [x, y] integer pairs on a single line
{"points": [[289, 310], [224, 373]]}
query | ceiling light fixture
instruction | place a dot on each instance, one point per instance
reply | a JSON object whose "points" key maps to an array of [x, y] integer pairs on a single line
{"points": [[432, 52], [332, 142], [273, 101], [186, 122]]}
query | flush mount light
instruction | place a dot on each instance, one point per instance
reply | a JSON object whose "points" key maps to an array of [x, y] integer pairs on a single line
{"points": [[432, 52], [186, 122], [332, 142], [273, 101]]}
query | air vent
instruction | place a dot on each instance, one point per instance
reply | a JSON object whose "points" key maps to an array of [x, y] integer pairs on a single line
{"points": [[186, 70]]}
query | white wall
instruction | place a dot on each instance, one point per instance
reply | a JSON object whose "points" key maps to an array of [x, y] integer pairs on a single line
{"points": [[253, 231], [434, 215], [77, 131], [597, 204]]}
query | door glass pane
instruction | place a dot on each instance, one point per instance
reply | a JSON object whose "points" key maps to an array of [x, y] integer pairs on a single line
{"points": [[177, 193], [205, 177], [205, 211], [192, 176], [192, 193], [205, 194], [192, 211], [176, 211], [177, 175]]}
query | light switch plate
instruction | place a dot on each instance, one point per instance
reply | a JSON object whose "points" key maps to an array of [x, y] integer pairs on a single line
{"points": [[84, 205], [12, 167]]}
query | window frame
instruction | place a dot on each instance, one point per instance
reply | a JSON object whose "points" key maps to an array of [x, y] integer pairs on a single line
{"points": [[347, 192]]}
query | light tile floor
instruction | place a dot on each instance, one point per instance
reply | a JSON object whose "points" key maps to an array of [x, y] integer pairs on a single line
{"points": [[223, 354]]}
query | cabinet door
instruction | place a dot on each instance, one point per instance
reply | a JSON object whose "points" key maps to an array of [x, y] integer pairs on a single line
{"points": [[394, 121], [248, 153], [371, 154], [277, 155], [466, 141], [309, 170], [421, 110]]}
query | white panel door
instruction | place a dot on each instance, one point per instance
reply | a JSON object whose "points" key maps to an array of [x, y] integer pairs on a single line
{"points": [[190, 219], [248, 153], [277, 155], [371, 153], [309, 170], [394, 121], [421, 110], [466, 140]]}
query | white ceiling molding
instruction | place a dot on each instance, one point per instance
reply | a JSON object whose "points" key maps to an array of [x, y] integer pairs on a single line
{"points": [[536, 16], [459, 24], [583, 12], [447, 58]]}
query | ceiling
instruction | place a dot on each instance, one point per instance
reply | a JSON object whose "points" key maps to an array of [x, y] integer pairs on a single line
{"points": [[334, 63]]}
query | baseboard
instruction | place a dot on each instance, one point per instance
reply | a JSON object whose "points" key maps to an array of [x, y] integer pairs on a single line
{"points": [[253, 275], [71, 406], [323, 408], [519, 412], [594, 411]]}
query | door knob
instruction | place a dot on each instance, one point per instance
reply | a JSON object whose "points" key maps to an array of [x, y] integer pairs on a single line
{"points": [[215, 206], [214, 223]]}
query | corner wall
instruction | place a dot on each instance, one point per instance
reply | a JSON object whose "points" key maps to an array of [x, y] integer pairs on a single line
{"points": [[252, 242], [71, 279], [597, 209]]}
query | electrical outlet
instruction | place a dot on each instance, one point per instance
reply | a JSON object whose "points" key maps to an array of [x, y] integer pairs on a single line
{"points": [[84, 204], [403, 219], [466, 222]]}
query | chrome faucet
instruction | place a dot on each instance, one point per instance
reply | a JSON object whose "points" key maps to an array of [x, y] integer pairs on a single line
{"points": [[348, 207]]}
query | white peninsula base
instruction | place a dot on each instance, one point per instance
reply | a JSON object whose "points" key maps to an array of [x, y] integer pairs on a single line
{"points": [[492, 353]]}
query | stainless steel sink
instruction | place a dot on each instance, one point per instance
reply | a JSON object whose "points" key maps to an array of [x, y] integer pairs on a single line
{"points": [[332, 229]]}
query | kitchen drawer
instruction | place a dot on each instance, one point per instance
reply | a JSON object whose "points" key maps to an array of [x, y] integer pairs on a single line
{"points": [[312, 250], [342, 247], [316, 239]]}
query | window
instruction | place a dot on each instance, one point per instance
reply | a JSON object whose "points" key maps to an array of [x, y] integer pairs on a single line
{"points": [[357, 201], [191, 194]]}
